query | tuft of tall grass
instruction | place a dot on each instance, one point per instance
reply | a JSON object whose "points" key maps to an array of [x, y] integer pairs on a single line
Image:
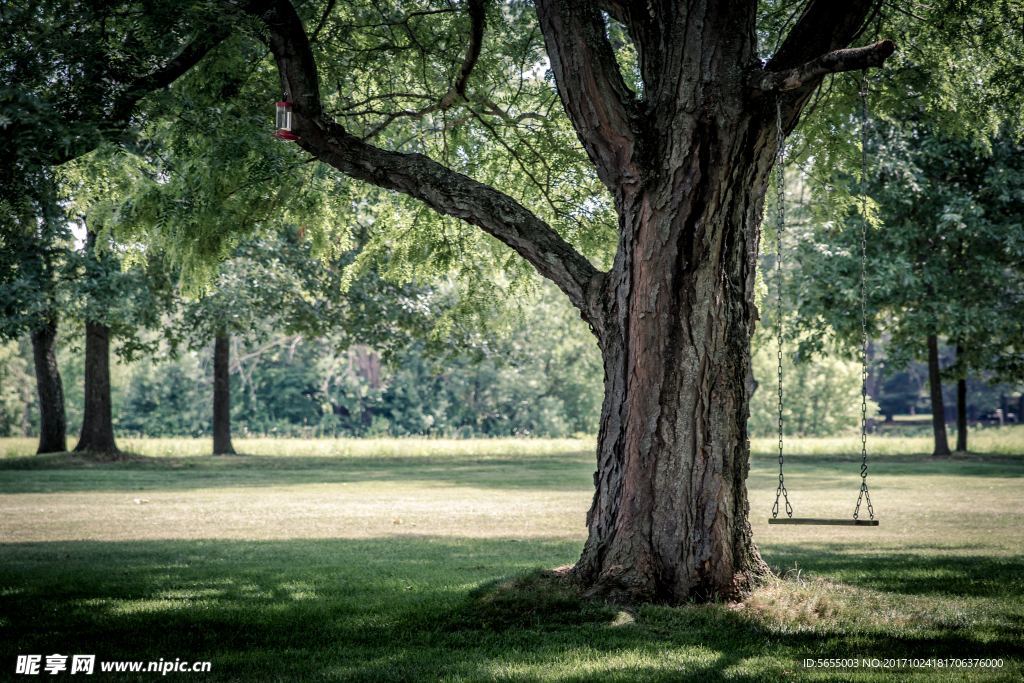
{"points": [[1005, 441]]}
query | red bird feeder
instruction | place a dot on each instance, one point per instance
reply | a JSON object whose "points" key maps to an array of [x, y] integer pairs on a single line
{"points": [[284, 121]]}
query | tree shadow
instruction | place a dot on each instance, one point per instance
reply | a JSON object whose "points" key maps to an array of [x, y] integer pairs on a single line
{"points": [[64, 473], [430, 608]]}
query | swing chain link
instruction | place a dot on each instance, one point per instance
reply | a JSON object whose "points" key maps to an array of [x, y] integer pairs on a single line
{"points": [[864, 495], [780, 224]]}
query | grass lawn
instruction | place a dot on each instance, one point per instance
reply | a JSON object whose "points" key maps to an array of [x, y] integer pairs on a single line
{"points": [[417, 559]]}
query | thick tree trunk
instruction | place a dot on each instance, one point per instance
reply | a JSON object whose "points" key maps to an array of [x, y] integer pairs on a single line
{"points": [[669, 521], [935, 390], [52, 418], [97, 420], [961, 407], [222, 396]]}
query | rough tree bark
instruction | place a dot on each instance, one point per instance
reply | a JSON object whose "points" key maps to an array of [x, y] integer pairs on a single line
{"points": [[52, 418], [97, 419], [222, 395], [961, 406], [688, 165], [935, 392]]}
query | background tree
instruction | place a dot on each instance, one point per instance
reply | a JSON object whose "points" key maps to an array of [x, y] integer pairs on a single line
{"points": [[73, 75], [36, 262], [271, 284], [201, 163], [944, 261]]}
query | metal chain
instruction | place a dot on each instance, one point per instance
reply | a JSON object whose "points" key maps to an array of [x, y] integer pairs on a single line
{"points": [[780, 225], [864, 495]]}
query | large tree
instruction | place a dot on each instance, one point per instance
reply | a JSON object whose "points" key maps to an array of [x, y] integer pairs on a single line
{"points": [[685, 149]]}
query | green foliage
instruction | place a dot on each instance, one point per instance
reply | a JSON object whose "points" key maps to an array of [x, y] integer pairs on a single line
{"points": [[69, 69], [167, 398], [194, 186], [17, 388], [946, 260], [821, 395], [531, 378], [37, 261], [954, 72]]}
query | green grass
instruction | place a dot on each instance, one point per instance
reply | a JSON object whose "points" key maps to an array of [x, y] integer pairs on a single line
{"points": [[420, 559]]}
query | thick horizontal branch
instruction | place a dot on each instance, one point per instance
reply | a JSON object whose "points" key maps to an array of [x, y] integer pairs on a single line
{"points": [[454, 194], [849, 59], [823, 28], [446, 191]]}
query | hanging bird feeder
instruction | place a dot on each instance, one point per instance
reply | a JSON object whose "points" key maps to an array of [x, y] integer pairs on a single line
{"points": [[284, 120]]}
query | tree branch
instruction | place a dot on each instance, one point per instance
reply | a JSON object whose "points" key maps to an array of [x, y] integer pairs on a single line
{"points": [[122, 106], [208, 38], [849, 59], [477, 14], [600, 105], [444, 190], [824, 26], [477, 17]]}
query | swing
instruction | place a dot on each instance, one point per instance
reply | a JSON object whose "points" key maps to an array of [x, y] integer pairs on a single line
{"points": [[780, 492]]}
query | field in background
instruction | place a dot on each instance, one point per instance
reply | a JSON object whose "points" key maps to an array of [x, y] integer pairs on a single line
{"points": [[388, 560], [1007, 440]]}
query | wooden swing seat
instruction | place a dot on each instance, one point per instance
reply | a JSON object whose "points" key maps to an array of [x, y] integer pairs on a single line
{"points": [[816, 520]]}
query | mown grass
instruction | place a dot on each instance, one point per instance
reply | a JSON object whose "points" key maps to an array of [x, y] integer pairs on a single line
{"points": [[392, 563]]}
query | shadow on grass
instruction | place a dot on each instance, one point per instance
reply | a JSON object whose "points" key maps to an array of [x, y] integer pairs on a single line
{"points": [[427, 608], [906, 573], [65, 472], [69, 473]]}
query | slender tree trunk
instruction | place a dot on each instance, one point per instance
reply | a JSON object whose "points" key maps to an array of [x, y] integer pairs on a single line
{"points": [[935, 390], [961, 415], [222, 395], [961, 406], [52, 418], [97, 420]]}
